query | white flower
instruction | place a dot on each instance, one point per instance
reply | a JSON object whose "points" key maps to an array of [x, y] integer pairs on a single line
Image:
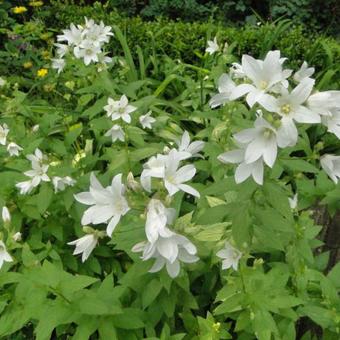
{"points": [[4, 256], [293, 202], [332, 122], [244, 170], [119, 109], [84, 245], [154, 167], [225, 88], [108, 204], [331, 165], [58, 64], [212, 46], [290, 106], [88, 51], [14, 149], [116, 133], [304, 72], [26, 187], [174, 177], [192, 148], [98, 34], [157, 218], [146, 120], [324, 103], [37, 174], [37, 157], [166, 167], [72, 36], [6, 216], [261, 141], [17, 237], [2, 81], [103, 62], [236, 71], [60, 183], [3, 134], [230, 255], [62, 49], [169, 252], [264, 75], [87, 41]]}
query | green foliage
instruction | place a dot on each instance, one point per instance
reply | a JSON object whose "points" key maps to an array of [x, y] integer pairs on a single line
{"points": [[46, 292]]}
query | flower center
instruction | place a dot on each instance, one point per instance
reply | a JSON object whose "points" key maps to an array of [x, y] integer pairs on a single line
{"points": [[285, 109], [267, 133], [263, 84], [235, 255], [121, 110]]}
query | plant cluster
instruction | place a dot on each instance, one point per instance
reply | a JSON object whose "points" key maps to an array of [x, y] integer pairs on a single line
{"points": [[122, 163]]}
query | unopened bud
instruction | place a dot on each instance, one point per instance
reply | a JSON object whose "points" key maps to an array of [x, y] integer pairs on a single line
{"points": [[132, 183], [17, 237], [6, 216]]}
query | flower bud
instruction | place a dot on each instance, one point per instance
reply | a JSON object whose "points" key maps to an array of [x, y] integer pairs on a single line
{"points": [[17, 237], [132, 183], [6, 216]]}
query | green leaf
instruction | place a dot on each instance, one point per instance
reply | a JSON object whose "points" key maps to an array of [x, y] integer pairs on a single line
{"points": [[151, 292], [319, 315], [232, 304], [212, 232], [334, 275], [241, 224], [44, 197], [130, 319], [96, 108], [299, 165]]}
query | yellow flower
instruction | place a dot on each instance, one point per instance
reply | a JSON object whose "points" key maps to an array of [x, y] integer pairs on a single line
{"points": [[19, 9], [36, 3], [27, 64], [42, 72]]}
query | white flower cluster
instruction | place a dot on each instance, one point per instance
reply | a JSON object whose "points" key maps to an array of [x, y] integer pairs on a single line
{"points": [[38, 174], [108, 205], [165, 246], [280, 106], [167, 167], [120, 110], [85, 42]]}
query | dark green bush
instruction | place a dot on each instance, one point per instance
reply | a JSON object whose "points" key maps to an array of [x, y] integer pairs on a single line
{"points": [[318, 15], [184, 40], [187, 41]]}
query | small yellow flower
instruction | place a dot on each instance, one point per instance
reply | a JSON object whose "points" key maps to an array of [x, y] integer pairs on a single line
{"points": [[27, 64], [19, 9], [36, 3], [42, 72]]}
